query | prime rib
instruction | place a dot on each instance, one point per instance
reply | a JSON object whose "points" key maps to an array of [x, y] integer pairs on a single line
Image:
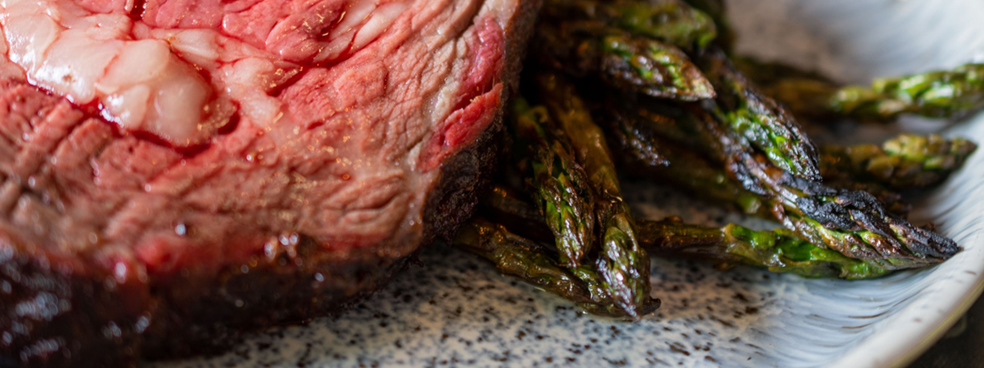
{"points": [[173, 172]]}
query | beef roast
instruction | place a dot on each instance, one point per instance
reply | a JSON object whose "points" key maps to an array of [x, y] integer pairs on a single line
{"points": [[177, 171]]}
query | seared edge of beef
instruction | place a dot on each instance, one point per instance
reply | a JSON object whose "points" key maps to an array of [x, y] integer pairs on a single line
{"points": [[60, 313]]}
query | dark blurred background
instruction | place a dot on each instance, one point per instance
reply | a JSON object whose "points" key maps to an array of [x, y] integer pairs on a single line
{"points": [[963, 345]]}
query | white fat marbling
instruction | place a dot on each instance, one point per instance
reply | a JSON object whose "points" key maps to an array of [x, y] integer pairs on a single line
{"points": [[94, 58]]}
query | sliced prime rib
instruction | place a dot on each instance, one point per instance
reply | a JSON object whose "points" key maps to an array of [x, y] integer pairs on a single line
{"points": [[173, 172]]}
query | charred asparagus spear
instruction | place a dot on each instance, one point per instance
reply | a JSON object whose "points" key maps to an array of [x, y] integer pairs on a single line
{"points": [[622, 263], [874, 169], [944, 93], [755, 116], [505, 206], [853, 223], [671, 21], [645, 153], [635, 63], [908, 161], [559, 185], [648, 148], [758, 119], [778, 250], [565, 202], [517, 256]]}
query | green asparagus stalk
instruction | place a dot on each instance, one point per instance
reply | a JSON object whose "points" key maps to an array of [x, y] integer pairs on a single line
{"points": [[559, 184], [515, 213], [622, 263], [505, 206], [566, 202], [755, 116], [853, 223], [943, 93], [648, 147], [778, 250], [868, 167], [645, 153], [950, 93], [758, 119], [634, 63], [908, 161], [671, 21], [516, 256]]}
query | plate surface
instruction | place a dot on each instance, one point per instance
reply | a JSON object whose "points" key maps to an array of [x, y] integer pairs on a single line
{"points": [[456, 310]]}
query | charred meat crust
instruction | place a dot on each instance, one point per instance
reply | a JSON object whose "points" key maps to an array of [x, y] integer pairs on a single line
{"points": [[286, 292], [60, 316]]}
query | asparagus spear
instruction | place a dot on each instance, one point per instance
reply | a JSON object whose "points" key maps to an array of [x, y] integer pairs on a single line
{"points": [[905, 162], [943, 93], [565, 201], [778, 250], [644, 152], [517, 214], [622, 263], [853, 223], [559, 184], [520, 257], [756, 117], [504, 206], [671, 21], [635, 63], [908, 161], [759, 119], [679, 165], [933, 94]]}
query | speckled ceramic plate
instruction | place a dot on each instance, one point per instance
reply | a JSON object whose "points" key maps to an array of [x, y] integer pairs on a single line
{"points": [[456, 310]]}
